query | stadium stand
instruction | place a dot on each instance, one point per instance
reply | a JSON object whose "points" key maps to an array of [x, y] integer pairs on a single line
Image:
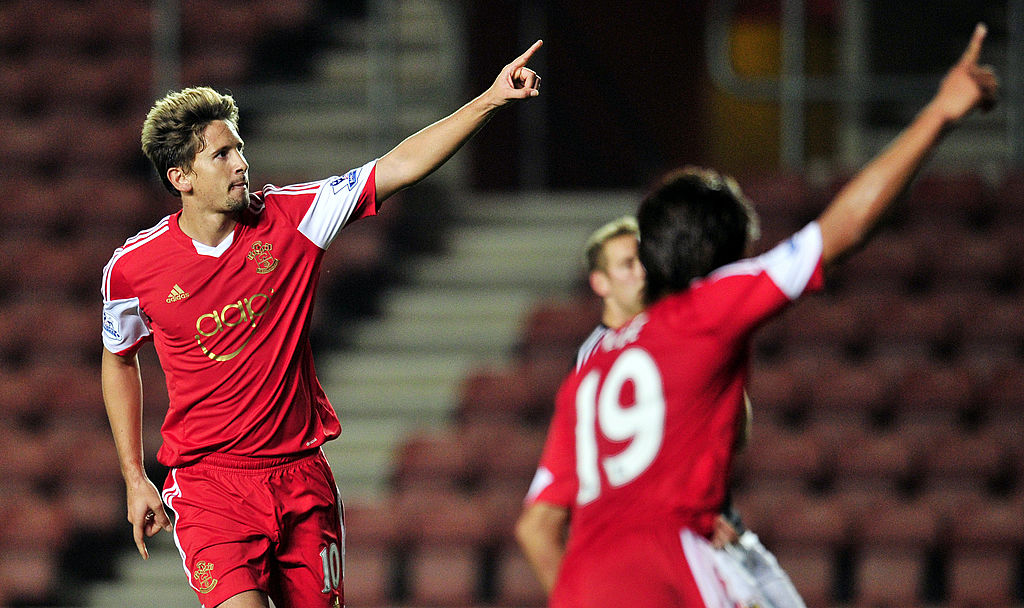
{"points": [[885, 467]]}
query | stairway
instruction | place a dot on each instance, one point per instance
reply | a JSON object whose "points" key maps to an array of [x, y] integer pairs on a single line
{"points": [[457, 312]]}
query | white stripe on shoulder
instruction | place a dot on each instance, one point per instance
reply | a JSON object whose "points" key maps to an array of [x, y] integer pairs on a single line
{"points": [[294, 189], [132, 244], [790, 264]]}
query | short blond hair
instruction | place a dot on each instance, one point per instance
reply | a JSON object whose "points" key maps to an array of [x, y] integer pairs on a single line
{"points": [[593, 250], [173, 131]]}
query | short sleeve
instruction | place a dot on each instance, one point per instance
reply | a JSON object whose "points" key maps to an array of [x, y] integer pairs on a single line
{"points": [[555, 480], [124, 326], [339, 201]]}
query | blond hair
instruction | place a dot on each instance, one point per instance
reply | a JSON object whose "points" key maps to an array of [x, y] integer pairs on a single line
{"points": [[173, 131], [593, 250]]}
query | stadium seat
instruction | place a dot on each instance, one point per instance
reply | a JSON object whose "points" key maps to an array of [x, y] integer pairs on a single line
{"points": [[773, 454], [982, 577], [557, 327], [989, 525], [947, 199], [433, 459], [504, 452], [443, 576], [888, 523], [29, 576], [886, 459], [495, 394], [371, 524], [812, 522], [517, 585], [434, 517], [93, 507], [889, 577], [954, 457], [812, 571], [368, 576], [933, 390], [502, 502], [890, 263]]}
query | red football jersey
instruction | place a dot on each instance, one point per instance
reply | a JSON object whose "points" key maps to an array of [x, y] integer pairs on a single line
{"points": [[641, 442], [231, 323]]}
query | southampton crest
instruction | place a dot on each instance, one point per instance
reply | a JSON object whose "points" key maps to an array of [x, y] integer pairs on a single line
{"points": [[204, 577], [265, 262]]}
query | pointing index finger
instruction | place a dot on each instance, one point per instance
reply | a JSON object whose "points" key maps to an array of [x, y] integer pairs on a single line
{"points": [[973, 51], [522, 60]]}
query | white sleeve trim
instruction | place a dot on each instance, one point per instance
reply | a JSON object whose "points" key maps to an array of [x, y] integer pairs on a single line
{"points": [[541, 480], [124, 324], [333, 205], [790, 264]]}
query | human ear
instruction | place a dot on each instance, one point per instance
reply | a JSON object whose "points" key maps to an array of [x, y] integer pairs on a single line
{"points": [[179, 179], [599, 283]]}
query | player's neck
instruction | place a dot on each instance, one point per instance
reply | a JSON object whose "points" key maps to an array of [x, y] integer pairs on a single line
{"points": [[615, 318], [208, 228]]}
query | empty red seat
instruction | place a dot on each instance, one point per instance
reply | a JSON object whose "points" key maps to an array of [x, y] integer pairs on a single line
{"points": [[443, 576], [812, 571], [433, 517], [517, 585], [433, 459], [371, 525], [560, 326], [495, 394], [889, 577], [29, 576], [982, 577], [504, 451], [368, 576], [888, 523], [944, 198]]}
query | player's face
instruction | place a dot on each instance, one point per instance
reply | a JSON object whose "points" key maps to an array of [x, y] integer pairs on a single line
{"points": [[625, 274], [220, 175]]}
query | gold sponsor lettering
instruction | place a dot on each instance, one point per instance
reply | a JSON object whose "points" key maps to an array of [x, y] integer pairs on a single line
{"points": [[244, 311]]}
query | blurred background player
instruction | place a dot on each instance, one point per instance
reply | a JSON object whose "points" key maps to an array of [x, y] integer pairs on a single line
{"points": [[642, 438], [224, 288], [616, 275]]}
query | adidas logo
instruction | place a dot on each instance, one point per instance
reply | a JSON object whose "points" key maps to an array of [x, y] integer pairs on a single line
{"points": [[177, 294]]}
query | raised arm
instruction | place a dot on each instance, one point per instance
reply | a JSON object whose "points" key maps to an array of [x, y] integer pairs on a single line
{"points": [[423, 152], [853, 213], [122, 394]]}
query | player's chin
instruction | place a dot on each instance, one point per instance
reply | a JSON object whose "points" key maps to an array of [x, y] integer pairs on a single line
{"points": [[238, 200]]}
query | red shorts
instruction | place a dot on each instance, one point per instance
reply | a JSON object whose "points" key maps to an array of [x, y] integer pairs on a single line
{"points": [[653, 569], [272, 524]]}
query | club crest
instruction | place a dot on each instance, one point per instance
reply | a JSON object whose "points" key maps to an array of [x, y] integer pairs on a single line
{"points": [[260, 253]]}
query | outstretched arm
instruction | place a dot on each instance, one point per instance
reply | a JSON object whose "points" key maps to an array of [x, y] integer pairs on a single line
{"points": [[423, 152], [859, 205], [122, 394]]}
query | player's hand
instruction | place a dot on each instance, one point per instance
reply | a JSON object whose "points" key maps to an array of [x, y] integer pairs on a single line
{"points": [[146, 514], [968, 85], [724, 533], [516, 81]]}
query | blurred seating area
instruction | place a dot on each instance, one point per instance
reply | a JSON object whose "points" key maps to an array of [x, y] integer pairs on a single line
{"points": [[885, 466]]}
